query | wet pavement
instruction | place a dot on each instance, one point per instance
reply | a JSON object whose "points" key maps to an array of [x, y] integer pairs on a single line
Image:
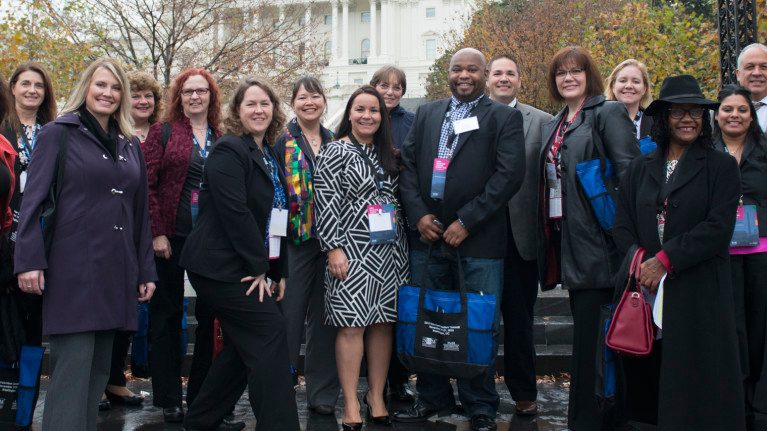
{"points": [[552, 399]]}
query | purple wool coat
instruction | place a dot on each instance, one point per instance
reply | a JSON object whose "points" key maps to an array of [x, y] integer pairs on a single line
{"points": [[102, 244]]}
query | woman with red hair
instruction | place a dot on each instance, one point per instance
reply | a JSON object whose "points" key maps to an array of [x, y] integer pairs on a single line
{"points": [[175, 151]]}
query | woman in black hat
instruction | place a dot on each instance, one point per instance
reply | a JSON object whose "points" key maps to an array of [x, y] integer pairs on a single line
{"points": [[679, 203]]}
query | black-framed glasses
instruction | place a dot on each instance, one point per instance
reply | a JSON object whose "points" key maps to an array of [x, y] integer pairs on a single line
{"points": [[677, 113], [561, 73], [199, 91]]}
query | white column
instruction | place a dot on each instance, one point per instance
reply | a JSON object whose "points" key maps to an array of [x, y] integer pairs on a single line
{"points": [[334, 48], [385, 24], [373, 30], [307, 22], [345, 31]]}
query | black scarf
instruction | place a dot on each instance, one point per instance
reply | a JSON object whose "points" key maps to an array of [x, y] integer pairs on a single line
{"points": [[107, 140]]}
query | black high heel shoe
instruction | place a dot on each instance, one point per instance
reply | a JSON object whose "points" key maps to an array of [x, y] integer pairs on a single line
{"points": [[351, 427], [384, 421]]}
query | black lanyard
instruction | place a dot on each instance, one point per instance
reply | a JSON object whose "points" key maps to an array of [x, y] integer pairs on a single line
{"points": [[29, 146], [203, 150], [380, 175]]}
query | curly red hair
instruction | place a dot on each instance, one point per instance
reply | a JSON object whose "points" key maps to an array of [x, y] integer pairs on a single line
{"points": [[174, 110]]}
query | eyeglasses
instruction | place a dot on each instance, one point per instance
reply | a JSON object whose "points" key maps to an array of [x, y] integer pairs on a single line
{"points": [[385, 87], [678, 113], [572, 72], [199, 91]]}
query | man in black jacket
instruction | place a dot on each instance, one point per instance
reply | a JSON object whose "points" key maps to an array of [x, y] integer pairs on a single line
{"points": [[464, 159]]}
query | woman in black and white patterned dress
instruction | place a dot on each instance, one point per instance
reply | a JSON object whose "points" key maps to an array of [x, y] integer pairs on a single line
{"points": [[359, 227]]}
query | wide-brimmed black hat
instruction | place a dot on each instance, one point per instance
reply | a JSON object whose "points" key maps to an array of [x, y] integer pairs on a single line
{"points": [[679, 89]]}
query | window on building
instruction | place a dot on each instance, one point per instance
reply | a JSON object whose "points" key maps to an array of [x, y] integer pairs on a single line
{"points": [[365, 16], [431, 12], [431, 49], [365, 48], [328, 49], [328, 19]]}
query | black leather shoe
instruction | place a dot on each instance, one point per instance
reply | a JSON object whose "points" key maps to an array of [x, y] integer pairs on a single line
{"points": [[173, 414], [351, 427], [417, 413], [483, 423], [402, 393], [234, 426], [126, 400], [323, 409], [104, 405], [384, 421]]}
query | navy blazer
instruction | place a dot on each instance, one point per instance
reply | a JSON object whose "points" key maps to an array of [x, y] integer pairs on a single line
{"points": [[487, 169], [401, 122]]}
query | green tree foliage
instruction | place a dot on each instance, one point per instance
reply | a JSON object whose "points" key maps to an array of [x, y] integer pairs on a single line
{"points": [[37, 31], [667, 41]]}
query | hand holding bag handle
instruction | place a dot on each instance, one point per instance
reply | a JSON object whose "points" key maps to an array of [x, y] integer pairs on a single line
{"points": [[631, 330]]}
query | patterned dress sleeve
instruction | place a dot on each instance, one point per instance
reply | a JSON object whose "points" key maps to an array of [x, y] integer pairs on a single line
{"points": [[329, 196]]}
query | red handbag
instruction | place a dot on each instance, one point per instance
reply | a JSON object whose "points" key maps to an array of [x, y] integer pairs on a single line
{"points": [[631, 330]]}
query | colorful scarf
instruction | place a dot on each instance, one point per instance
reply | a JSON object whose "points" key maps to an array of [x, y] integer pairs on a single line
{"points": [[300, 192]]}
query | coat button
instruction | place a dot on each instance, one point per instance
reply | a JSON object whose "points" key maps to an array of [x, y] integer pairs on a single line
{"points": [[116, 192], [115, 227], [105, 157], [122, 159]]}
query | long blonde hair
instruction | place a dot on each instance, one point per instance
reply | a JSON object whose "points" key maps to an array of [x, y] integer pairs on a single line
{"points": [[77, 97]]}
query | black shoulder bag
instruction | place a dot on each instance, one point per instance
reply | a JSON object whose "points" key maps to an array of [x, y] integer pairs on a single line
{"points": [[48, 213]]}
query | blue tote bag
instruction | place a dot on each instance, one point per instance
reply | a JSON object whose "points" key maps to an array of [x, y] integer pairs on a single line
{"points": [[447, 332]]}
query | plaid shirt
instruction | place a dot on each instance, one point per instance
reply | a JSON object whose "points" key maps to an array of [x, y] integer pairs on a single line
{"points": [[458, 111]]}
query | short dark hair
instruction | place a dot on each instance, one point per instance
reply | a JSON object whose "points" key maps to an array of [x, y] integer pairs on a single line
{"points": [[310, 84], [661, 131], [580, 57], [386, 73], [507, 56], [754, 132], [382, 139]]}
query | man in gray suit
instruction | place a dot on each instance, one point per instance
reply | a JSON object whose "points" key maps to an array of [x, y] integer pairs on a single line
{"points": [[520, 276]]}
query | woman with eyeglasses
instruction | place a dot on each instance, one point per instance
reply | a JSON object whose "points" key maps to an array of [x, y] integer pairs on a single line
{"points": [[574, 250], [679, 203], [175, 151]]}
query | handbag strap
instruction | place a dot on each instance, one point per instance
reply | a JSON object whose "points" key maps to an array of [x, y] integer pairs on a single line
{"points": [[425, 274], [635, 268]]}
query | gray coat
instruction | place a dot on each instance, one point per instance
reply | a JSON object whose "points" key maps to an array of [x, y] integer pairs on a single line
{"points": [[522, 206], [587, 257], [102, 245]]}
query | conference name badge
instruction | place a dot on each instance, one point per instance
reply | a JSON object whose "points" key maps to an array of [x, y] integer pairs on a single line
{"points": [[746, 233], [438, 174], [465, 125], [194, 204], [278, 222], [382, 221], [554, 184]]}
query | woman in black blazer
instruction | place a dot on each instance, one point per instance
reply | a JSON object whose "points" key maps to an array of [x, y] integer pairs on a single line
{"points": [[679, 204], [737, 132], [237, 244]]}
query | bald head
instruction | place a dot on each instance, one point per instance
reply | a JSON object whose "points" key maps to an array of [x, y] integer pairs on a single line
{"points": [[466, 75]]}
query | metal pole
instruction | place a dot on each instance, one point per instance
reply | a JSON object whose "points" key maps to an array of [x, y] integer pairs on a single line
{"points": [[737, 29]]}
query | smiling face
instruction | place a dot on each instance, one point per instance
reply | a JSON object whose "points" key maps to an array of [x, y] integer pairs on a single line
{"points": [[752, 72], [467, 75], [571, 82], [193, 101], [365, 117], [104, 94], [503, 80], [734, 116], [684, 130], [629, 86], [141, 105], [308, 106], [29, 90], [256, 111], [391, 91]]}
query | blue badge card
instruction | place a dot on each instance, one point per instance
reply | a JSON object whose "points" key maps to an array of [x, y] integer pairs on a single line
{"points": [[382, 220], [746, 233], [194, 204], [439, 171]]}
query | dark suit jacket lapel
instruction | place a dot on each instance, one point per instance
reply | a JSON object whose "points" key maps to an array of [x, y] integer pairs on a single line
{"points": [[547, 131], [479, 111], [434, 126], [689, 165], [256, 155]]}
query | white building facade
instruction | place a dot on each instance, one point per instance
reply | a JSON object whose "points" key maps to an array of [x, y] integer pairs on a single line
{"points": [[359, 36]]}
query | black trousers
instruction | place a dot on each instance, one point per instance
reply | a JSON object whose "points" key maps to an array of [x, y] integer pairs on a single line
{"points": [[203, 350], [749, 283], [642, 377], [520, 290], [119, 354], [583, 413], [165, 311], [256, 353]]}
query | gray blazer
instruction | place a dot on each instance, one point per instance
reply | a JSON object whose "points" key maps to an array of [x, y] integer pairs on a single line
{"points": [[522, 207]]}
